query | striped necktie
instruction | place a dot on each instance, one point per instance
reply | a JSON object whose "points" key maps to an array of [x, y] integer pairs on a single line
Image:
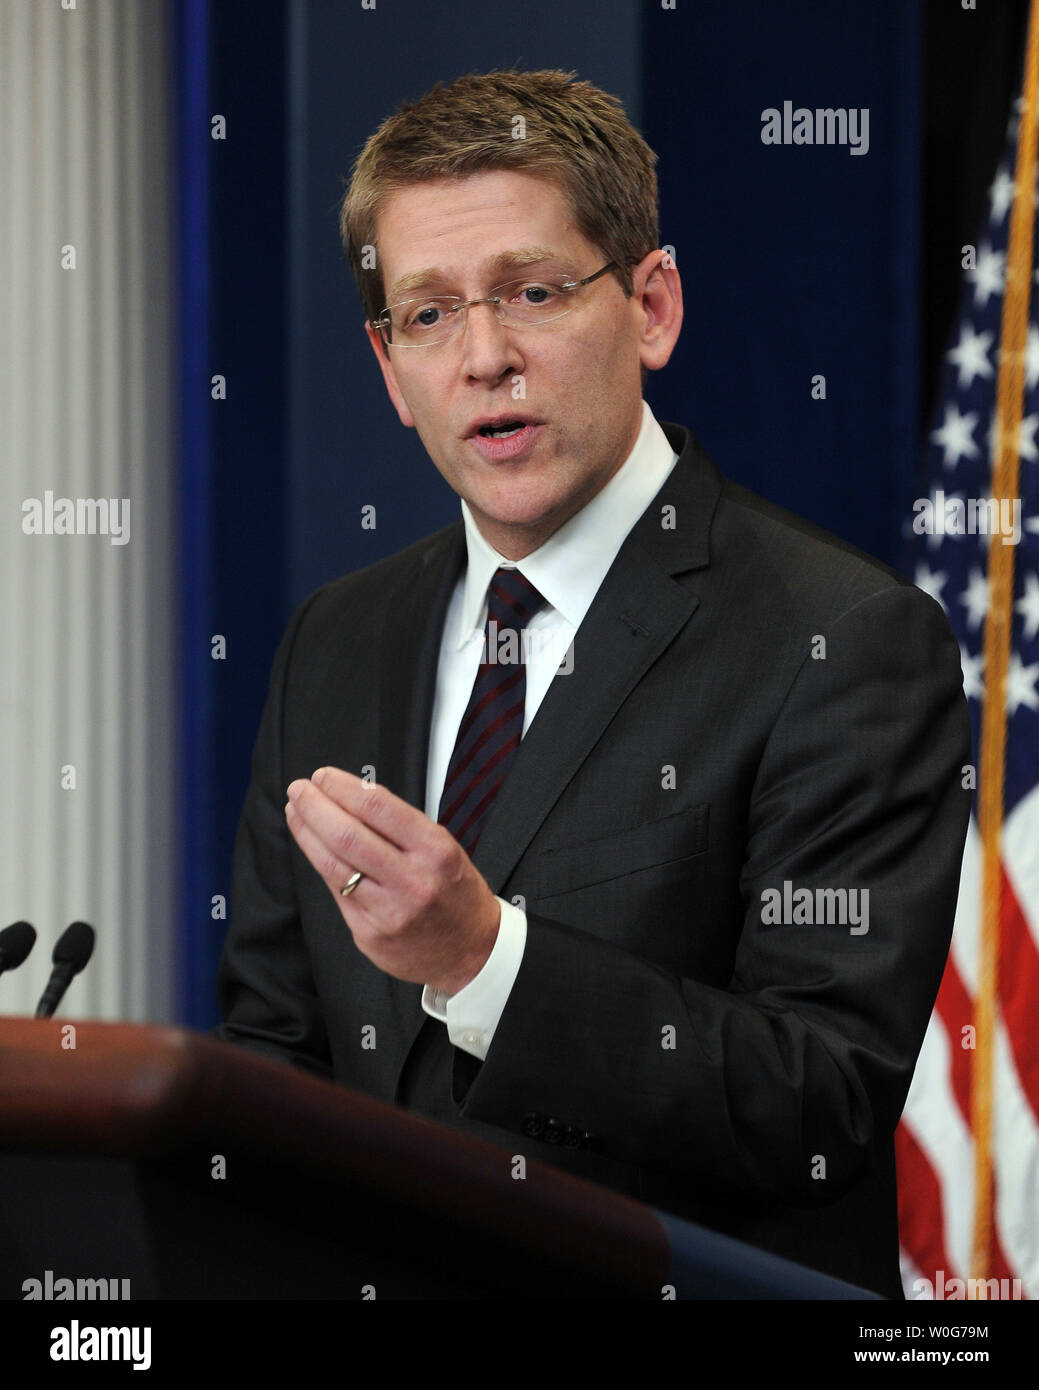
{"points": [[490, 731]]}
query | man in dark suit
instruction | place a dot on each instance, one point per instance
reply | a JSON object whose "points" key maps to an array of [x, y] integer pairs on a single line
{"points": [[685, 936]]}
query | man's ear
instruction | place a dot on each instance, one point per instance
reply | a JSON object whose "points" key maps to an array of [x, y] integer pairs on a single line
{"points": [[658, 296], [389, 376]]}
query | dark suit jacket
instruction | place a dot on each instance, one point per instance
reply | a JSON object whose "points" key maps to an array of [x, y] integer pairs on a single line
{"points": [[752, 704]]}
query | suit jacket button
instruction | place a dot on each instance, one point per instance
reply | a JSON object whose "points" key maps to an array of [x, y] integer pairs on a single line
{"points": [[534, 1125], [573, 1137], [554, 1132]]}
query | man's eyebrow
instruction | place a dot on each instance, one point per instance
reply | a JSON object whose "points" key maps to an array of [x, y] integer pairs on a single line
{"points": [[496, 266]]}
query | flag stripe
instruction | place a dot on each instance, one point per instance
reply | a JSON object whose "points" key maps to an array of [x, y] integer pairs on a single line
{"points": [[956, 1012], [1018, 968], [1017, 1163], [919, 1197], [943, 1135]]}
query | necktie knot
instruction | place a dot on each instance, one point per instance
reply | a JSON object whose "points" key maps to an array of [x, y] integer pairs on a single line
{"points": [[512, 599]]}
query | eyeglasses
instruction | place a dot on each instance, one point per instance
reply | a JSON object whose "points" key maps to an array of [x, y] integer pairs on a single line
{"points": [[520, 304]]}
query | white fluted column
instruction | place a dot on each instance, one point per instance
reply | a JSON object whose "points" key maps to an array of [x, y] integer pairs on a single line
{"points": [[88, 761]]}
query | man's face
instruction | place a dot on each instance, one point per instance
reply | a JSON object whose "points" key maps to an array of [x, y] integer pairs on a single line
{"points": [[580, 394]]}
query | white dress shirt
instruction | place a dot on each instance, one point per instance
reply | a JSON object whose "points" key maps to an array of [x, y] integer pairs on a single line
{"points": [[567, 570]]}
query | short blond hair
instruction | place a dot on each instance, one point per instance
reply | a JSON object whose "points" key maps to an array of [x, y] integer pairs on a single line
{"points": [[574, 135]]}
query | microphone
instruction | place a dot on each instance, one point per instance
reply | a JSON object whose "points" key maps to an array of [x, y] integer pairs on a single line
{"points": [[75, 947], [16, 941]]}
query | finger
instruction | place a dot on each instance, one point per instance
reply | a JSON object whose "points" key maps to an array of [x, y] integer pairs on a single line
{"points": [[346, 839], [333, 872], [390, 816], [356, 906]]}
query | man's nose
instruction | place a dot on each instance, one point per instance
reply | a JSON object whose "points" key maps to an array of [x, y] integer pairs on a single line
{"points": [[489, 347]]}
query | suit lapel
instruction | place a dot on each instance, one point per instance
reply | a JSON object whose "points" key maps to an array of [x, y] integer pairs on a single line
{"points": [[417, 608]]}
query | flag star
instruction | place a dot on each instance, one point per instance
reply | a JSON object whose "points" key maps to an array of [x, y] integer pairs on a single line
{"points": [[1021, 681], [931, 582], [956, 435], [975, 598], [1001, 195], [1032, 525], [987, 275], [973, 686], [1028, 606], [970, 355]]}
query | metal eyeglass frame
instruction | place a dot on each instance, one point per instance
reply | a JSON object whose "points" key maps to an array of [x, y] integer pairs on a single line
{"points": [[462, 306]]}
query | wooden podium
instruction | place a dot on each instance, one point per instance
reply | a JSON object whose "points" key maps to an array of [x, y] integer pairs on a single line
{"points": [[199, 1170]]}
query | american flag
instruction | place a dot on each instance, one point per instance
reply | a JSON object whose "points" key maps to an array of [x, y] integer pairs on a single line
{"points": [[968, 1145]]}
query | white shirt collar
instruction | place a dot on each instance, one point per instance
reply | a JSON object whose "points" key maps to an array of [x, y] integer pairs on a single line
{"points": [[573, 562]]}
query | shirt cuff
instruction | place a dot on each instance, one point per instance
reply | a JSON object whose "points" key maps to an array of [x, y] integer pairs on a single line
{"points": [[472, 1014]]}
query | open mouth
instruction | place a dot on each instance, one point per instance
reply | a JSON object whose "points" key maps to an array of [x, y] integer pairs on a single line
{"points": [[501, 431]]}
